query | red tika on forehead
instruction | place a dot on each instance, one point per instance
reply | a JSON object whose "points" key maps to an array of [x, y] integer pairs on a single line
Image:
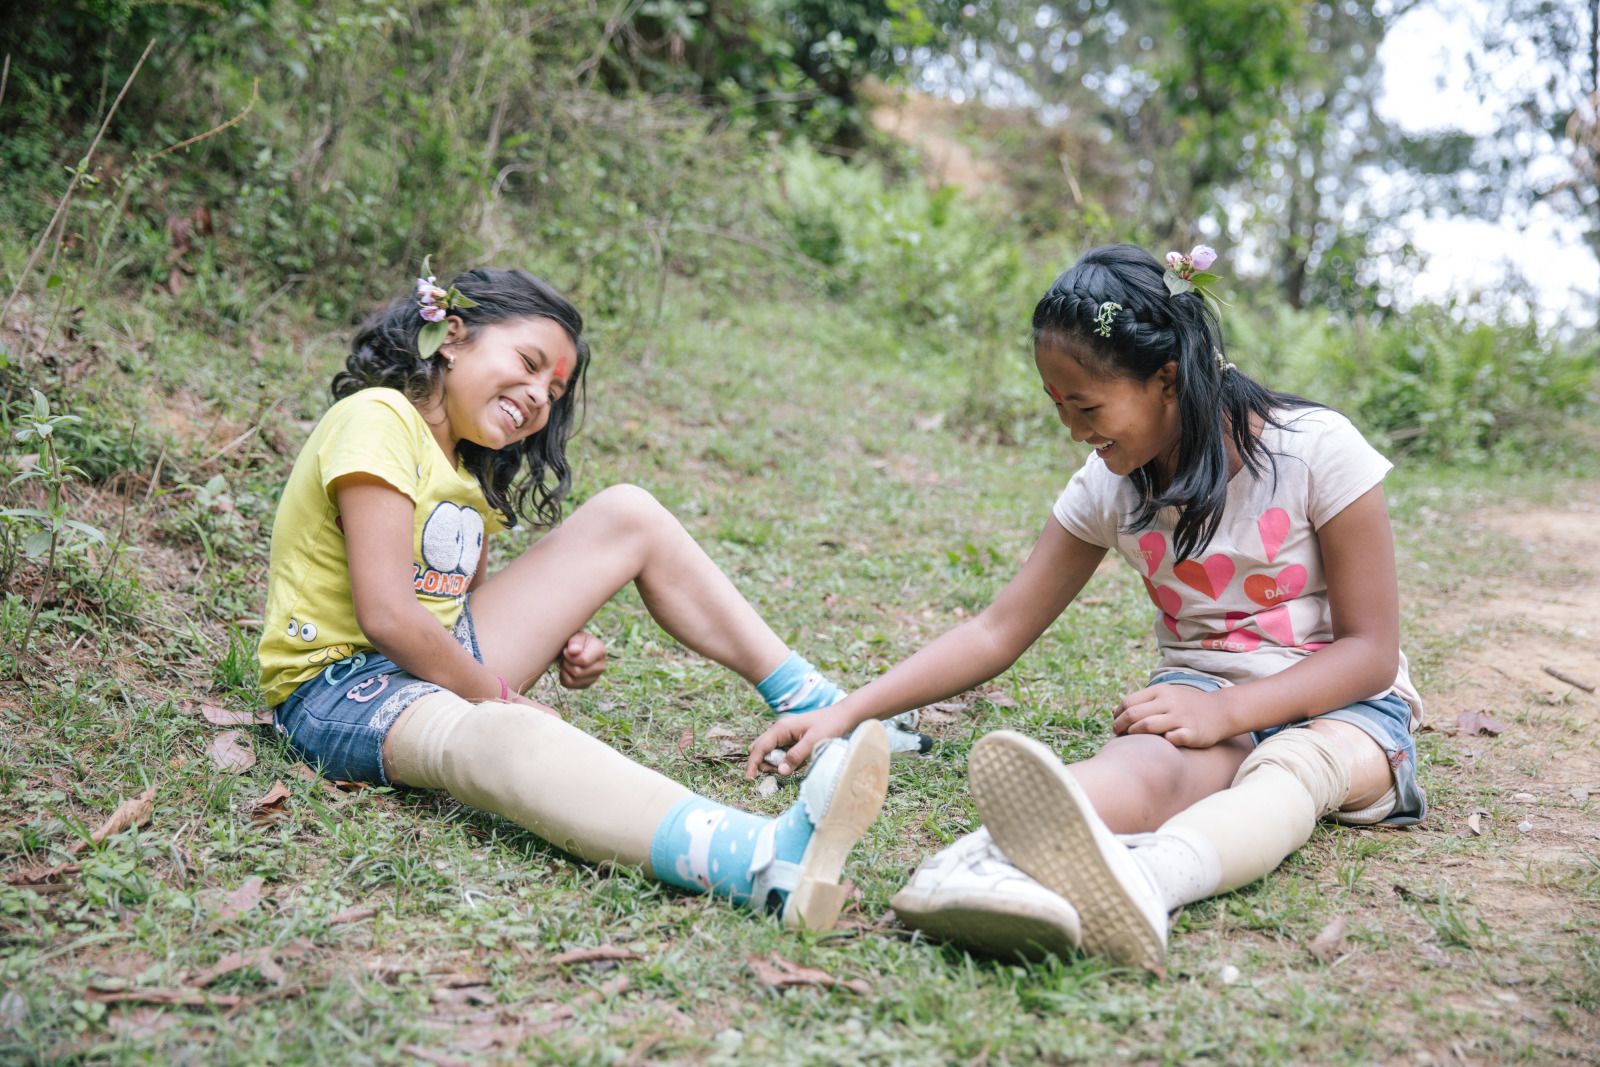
{"points": [[1054, 395]]}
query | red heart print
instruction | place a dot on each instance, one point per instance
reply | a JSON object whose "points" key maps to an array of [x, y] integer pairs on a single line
{"points": [[1210, 577], [1275, 623], [1267, 590], [1233, 619], [1166, 599], [1153, 547], [1274, 527], [1170, 623]]}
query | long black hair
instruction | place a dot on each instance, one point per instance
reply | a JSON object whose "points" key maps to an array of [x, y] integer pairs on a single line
{"points": [[527, 479], [1154, 328]]}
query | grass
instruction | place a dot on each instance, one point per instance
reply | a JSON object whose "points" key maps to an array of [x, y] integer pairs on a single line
{"points": [[817, 458]]}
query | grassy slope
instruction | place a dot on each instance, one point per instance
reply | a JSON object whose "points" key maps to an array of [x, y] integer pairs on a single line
{"points": [[808, 453]]}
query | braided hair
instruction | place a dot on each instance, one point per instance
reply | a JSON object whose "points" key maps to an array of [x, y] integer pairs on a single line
{"points": [[1148, 329], [528, 478]]}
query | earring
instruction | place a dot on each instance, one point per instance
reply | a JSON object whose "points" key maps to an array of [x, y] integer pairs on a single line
{"points": [[449, 363]]}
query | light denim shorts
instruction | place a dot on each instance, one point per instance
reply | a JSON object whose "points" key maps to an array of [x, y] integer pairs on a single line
{"points": [[336, 720], [1385, 719]]}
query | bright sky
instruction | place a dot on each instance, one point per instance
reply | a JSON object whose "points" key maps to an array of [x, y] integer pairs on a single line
{"points": [[1426, 88]]}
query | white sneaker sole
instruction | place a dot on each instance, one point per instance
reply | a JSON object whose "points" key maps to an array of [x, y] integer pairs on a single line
{"points": [[1009, 929], [815, 902], [1043, 822]]}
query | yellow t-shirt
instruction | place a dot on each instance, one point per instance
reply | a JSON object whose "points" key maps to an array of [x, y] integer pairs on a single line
{"points": [[311, 618]]}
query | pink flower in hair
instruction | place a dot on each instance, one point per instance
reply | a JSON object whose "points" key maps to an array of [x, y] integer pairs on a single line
{"points": [[1174, 260], [432, 312], [1202, 257]]}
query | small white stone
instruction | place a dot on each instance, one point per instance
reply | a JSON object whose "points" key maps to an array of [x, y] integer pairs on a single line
{"points": [[1524, 826], [1580, 794], [1524, 798], [1228, 975], [767, 786]]}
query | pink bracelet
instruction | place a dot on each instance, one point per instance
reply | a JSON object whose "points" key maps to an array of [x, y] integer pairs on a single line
{"points": [[505, 690]]}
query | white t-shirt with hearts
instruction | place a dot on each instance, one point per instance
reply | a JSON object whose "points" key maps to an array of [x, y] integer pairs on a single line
{"points": [[1254, 601]]}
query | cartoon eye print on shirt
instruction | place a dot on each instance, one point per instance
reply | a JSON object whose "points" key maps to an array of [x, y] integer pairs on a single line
{"points": [[305, 631], [452, 541]]}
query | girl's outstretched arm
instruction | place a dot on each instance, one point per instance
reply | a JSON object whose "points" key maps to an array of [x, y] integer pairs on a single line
{"points": [[957, 660], [1358, 562], [378, 521]]}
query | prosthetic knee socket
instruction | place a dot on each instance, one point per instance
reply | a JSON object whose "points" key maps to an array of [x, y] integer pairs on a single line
{"points": [[1311, 759]]}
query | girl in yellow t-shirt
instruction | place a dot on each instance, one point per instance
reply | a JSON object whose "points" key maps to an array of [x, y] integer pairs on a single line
{"points": [[391, 657]]}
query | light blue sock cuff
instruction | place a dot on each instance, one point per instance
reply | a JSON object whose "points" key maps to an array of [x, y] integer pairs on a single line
{"points": [[786, 690], [666, 848]]}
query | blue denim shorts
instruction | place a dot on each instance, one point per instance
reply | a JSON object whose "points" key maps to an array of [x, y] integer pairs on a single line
{"points": [[1385, 719], [336, 720]]}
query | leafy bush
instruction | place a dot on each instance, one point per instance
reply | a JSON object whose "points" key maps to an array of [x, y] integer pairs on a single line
{"points": [[1424, 382]]}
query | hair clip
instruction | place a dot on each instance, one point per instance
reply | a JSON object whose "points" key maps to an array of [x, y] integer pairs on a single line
{"points": [[1223, 366], [1103, 317]]}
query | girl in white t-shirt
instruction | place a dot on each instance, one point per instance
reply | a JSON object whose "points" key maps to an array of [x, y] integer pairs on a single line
{"points": [[1257, 522]]}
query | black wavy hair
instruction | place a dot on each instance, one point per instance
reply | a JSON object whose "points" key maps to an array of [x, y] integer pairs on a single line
{"points": [[527, 479], [1152, 329]]}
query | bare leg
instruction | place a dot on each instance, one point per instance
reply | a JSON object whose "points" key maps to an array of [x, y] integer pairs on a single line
{"points": [[1139, 781], [525, 613]]}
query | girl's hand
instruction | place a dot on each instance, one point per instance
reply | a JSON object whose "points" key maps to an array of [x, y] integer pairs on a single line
{"points": [[799, 734], [1185, 716], [582, 660]]}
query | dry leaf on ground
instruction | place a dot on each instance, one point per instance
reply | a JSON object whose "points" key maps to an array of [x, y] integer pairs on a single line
{"points": [[129, 813], [164, 996], [1328, 944], [1479, 722], [217, 715], [44, 879], [240, 900], [230, 752], [597, 954], [1475, 821], [998, 697], [780, 973], [274, 801], [260, 958], [563, 1012], [351, 915]]}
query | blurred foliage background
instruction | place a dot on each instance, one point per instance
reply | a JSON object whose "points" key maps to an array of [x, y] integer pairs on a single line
{"points": [[926, 162]]}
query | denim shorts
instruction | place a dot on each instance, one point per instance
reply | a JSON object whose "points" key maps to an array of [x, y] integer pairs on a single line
{"points": [[336, 720], [1385, 719]]}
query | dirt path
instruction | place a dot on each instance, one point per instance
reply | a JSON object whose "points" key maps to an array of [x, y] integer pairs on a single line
{"points": [[1516, 820]]}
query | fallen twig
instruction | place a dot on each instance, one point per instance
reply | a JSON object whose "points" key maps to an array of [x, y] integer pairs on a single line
{"points": [[1558, 676]]}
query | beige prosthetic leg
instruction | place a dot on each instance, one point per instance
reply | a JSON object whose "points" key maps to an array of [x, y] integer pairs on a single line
{"points": [[1231, 838], [536, 770]]}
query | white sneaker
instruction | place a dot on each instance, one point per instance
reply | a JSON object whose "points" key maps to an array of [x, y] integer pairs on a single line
{"points": [[901, 730], [843, 794], [970, 894], [1043, 822]]}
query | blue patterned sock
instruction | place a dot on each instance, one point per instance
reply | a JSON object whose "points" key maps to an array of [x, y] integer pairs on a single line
{"points": [[707, 847], [797, 687]]}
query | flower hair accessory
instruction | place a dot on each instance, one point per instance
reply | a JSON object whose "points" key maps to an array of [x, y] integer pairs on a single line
{"points": [[1103, 317], [1191, 273], [435, 304]]}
